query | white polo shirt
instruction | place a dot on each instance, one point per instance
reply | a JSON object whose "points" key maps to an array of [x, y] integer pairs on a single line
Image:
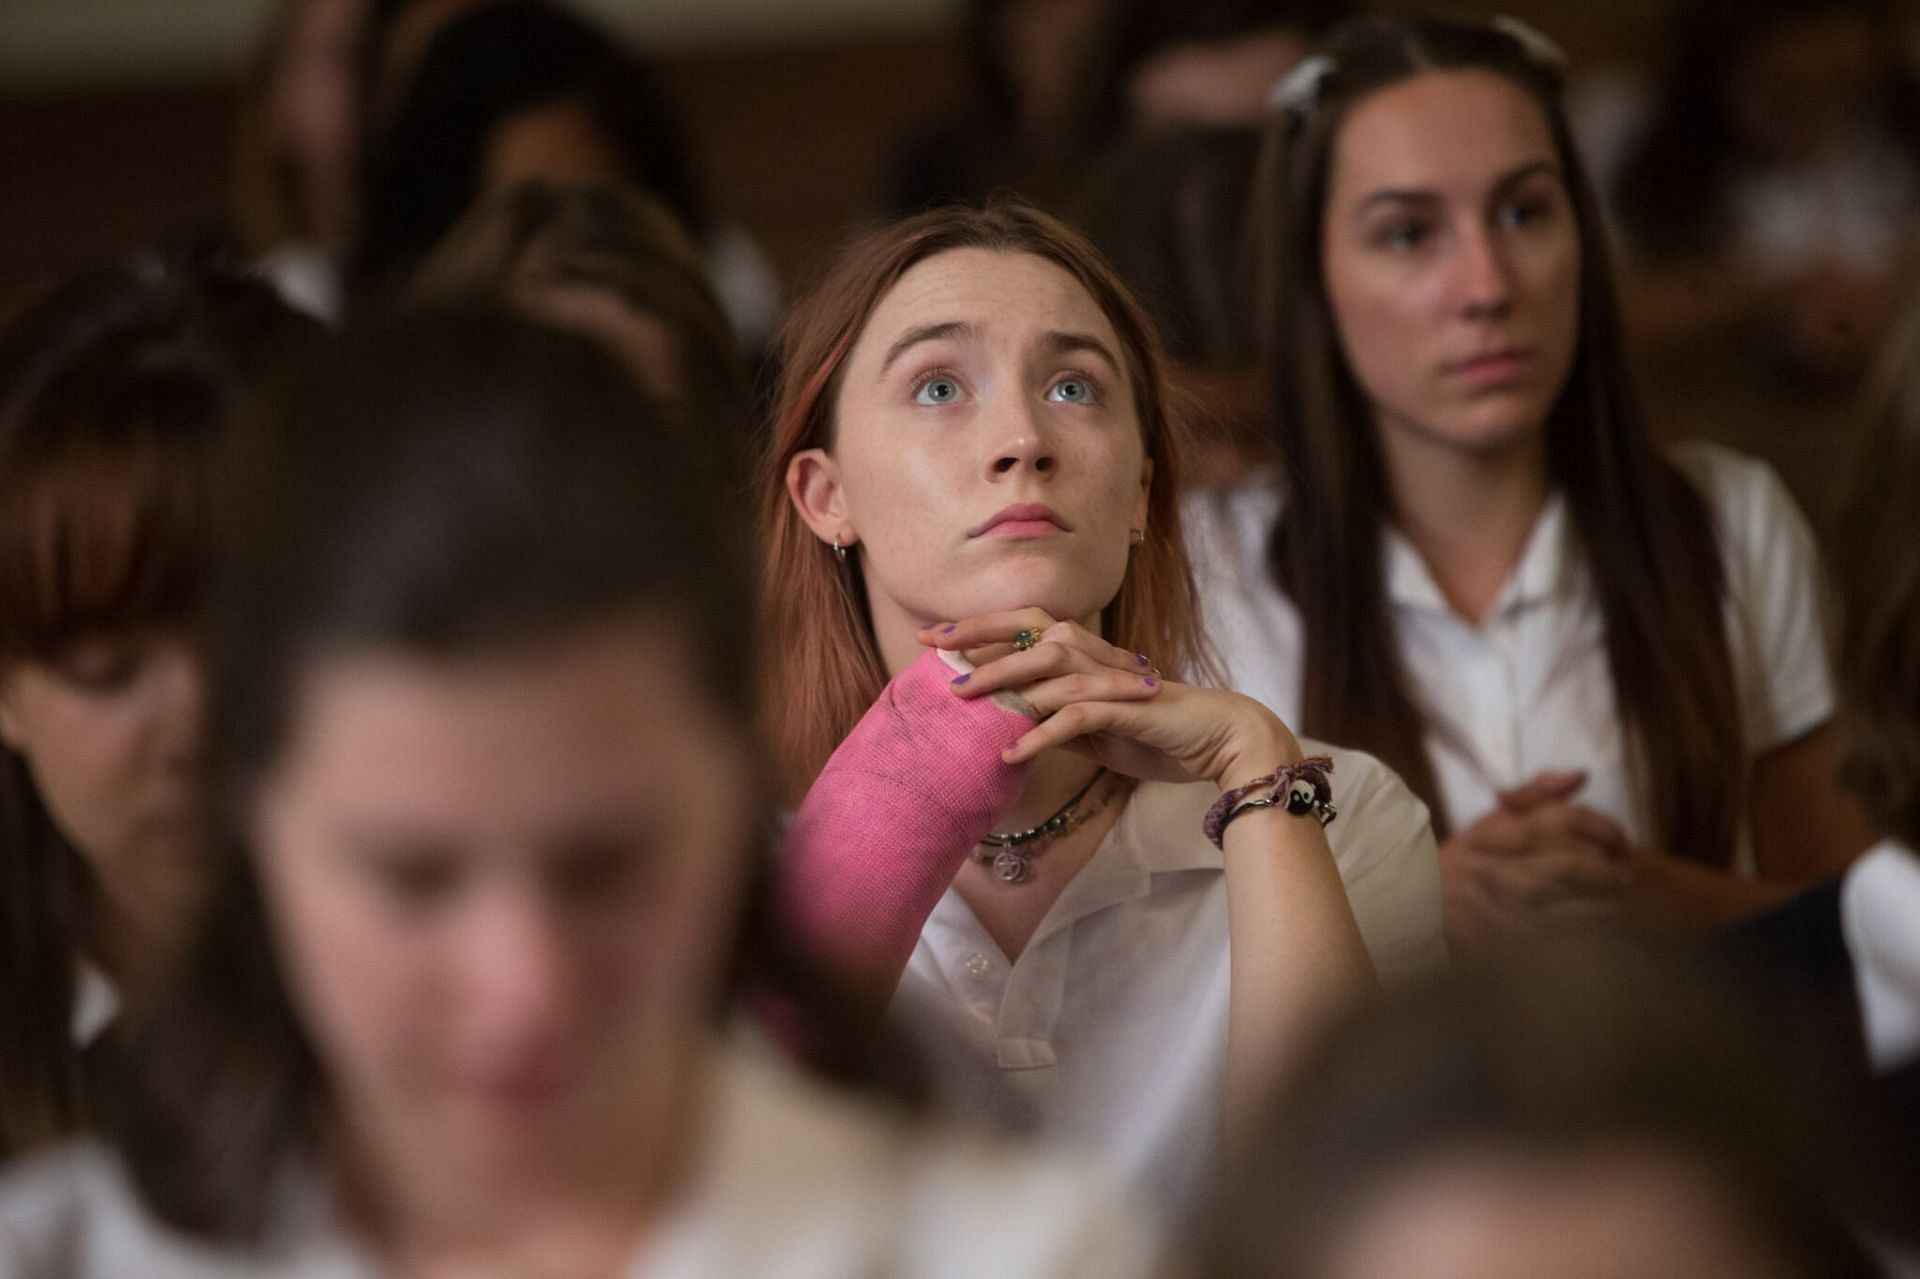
{"points": [[1529, 691], [792, 1182], [1111, 1027], [1880, 920]]}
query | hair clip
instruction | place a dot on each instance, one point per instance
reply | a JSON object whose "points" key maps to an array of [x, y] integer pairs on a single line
{"points": [[1536, 44], [1299, 90]]}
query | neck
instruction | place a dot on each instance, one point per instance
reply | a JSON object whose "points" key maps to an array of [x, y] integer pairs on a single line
{"points": [[136, 932], [578, 1203], [1468, 514]]}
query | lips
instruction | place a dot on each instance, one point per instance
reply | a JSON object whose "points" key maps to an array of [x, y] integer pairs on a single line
{"points": [[1022, 519], [1492, 367]]}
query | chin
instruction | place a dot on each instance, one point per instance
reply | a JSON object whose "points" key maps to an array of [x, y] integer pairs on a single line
{"points": [[1063, 591]]}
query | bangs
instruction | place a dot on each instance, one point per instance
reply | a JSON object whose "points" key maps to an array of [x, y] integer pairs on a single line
{"points": [[97, 537]]}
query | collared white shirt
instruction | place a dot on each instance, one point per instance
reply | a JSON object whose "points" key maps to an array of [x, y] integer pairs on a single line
{"points": [[1111, 1026], [791, 1182], [1880, 920], [1529, 691]]}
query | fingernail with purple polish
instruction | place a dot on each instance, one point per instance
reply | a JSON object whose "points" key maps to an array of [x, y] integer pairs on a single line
{"points": [[963, 678], [1150, 682], [1143, 659], [950, 628]]}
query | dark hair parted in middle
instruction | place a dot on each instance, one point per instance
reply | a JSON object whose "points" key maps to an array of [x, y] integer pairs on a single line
{"points": [[611, 261], [485, 68], [1645, 530], [1572, 1055], [114, 387], [444, 484]]}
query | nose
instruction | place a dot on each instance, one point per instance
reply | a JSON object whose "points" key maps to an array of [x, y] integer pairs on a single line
{"points": [[182, 701], [1483, 284], [1023, 445], [516, 971]]}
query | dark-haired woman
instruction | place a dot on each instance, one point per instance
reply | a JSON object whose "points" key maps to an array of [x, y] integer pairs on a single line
{"points": [[513, 90], [612, 262], [1602, 668], [113, 387], [1576, 1115], [1845, 956], [488, 883]]}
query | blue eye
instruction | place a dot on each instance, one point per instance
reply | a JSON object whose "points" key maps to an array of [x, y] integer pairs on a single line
{"points": [[937, 390], [1073, 390]]}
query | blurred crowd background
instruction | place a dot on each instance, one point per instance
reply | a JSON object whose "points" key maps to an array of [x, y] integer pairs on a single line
{"points": [[1759, 156]]}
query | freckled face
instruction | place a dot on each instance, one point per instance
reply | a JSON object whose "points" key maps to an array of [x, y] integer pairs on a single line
{"points": [[988, 451], [1452, 261]]}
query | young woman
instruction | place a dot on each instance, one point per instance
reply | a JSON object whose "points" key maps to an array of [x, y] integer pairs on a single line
{"points": [[1574, 1115], [1603, 669], [971, 495], [509, 90], [1844, 957], [611, 262], [457, 1004], [112, 389]]}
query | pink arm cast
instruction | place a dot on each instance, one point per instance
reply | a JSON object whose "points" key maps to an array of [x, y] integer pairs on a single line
{"points": [[889, 821]]}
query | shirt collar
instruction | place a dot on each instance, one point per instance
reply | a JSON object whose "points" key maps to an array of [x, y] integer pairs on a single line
{"points": [[1546, 567]]}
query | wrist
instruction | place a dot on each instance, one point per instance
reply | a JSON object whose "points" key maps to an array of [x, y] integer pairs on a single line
{"points": [[1267, 745]]}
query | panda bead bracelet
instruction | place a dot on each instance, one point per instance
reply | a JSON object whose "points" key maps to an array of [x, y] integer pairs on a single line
{"points": [[1301, 789]]}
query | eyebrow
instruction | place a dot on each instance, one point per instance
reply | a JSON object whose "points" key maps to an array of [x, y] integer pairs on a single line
{"points": [[924, 333], [1052, 343], [1057, 343], [1417, 195]]}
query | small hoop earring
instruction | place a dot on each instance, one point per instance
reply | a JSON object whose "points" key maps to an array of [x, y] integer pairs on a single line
{"points": [[839, 550]]}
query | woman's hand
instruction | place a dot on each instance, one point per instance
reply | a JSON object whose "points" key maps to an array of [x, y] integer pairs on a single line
{"points": [[1537, 859], [1112, 705]]}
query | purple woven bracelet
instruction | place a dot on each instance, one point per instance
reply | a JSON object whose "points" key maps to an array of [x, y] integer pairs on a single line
{"points": [[1312, 770]]}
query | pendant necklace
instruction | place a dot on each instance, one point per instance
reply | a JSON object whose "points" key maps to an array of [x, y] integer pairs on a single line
{"points": [[1011, 853]]}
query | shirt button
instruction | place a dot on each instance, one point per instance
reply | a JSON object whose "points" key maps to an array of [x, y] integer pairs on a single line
{"points": [[977, 963]]}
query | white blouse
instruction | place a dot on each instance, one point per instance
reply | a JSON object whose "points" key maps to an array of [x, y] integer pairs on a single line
{"points": [[792, 1182], [1111, 1028], [1529, 691]]}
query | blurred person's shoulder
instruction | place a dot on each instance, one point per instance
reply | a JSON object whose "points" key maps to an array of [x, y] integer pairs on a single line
{"points": [[72, 1212], [798, 1180]]}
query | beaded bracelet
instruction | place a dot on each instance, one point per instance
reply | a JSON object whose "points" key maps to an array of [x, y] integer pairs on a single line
{"points": [[1300, 788]]}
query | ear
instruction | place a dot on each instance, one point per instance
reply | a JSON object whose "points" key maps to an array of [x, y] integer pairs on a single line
{"points": [[813, 486], [1140, 503]]}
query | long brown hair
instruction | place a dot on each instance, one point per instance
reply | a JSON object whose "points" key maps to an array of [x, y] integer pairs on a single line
{"points": [[1880, 581], [825, 671], [113, 386], [1648, 537]]}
